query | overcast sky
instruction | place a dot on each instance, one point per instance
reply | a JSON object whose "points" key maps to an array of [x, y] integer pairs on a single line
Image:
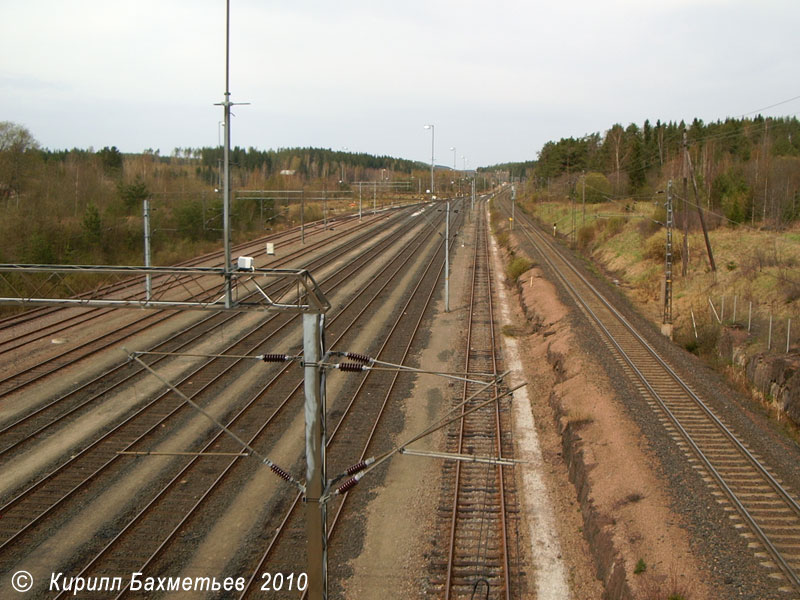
{"points": [[497, 79]]}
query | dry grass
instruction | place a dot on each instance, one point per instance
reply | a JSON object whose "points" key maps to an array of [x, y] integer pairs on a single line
{"points": [[753, 265], [579, 419], [669, 587]]}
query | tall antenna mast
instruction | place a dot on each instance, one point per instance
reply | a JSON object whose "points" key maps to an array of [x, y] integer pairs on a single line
{"points": [[226, 174], [226, 161]]}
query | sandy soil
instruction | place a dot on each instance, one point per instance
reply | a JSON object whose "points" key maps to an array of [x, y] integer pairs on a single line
{"points": [[545, 542], [624, 489]]}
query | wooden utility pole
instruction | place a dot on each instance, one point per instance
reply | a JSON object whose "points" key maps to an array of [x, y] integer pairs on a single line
{"points": [[699, 208], [583, 199]]}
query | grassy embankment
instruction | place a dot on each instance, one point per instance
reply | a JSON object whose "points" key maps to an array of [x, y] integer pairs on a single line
{"points": [[759, 267]]}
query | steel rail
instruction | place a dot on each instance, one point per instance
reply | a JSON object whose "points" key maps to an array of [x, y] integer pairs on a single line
{"points": [[57, 362], [221, 319], [348, 410], [325, 259], [342, 273], [789, 572], [134, 282], [480, 269], [292, 233], [405, 255]]}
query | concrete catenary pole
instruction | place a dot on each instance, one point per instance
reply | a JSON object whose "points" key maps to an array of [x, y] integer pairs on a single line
{"points": [[148, 282], [316, 469], [447, 258]]}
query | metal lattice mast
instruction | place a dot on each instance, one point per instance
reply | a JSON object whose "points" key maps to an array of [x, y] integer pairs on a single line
{"points": [[668, 260]]}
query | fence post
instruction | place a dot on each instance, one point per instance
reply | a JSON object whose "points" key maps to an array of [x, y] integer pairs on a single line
{"points": [[714, 309], [788, 334], [749, 316], [694, 324], [769, 337], [735, 298]]}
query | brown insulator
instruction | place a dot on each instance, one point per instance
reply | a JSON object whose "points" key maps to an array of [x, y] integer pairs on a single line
{"points": [[280, 472], [357, 467], [275, 358], [347, 485], [362, 358]]}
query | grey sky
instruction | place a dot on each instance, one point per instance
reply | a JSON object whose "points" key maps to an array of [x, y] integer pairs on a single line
{"points": [[497, 79]]}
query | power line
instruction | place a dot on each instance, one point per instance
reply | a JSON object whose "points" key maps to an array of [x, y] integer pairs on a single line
{"points": [[758, 110], [753, 229], [280, 472]]}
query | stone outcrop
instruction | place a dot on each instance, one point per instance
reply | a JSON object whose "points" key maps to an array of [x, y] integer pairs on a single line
{"points": [[777, 377]]}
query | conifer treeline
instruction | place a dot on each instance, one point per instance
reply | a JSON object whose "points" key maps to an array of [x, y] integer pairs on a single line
{"points": [[747, 169], [308, 163]]}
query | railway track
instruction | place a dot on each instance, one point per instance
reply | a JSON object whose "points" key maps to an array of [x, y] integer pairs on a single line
{"points": [[38, 501], [51, 320], [39, 420], [283, 238], [138, 536], [364, 414], [762, 507], [14, 342], [481, 559], [141, 545]]}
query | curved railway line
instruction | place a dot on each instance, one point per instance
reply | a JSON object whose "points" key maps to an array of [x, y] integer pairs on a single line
{"points": [[760, 506]]}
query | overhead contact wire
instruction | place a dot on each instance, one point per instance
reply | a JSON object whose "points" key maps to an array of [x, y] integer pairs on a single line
{"points": [[360, 469], [279, 471]]}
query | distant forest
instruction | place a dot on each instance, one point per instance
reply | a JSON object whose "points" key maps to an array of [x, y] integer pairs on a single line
{"points": [[748, 170], [85, 206], [307, 163]]}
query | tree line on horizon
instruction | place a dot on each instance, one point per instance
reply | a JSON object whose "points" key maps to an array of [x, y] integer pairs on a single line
{"points": [[84, 206], [746, 169]]}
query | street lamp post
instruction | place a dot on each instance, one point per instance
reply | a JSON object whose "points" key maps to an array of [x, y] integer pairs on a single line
{"points": [[455, 175], [446, 234], [447, 258], [432, 157]]}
